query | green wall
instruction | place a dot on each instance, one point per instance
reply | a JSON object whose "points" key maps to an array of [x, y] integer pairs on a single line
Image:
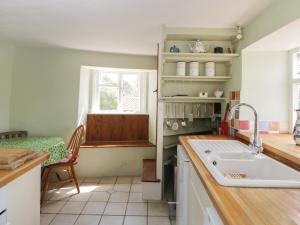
{"points": [[6, 70], [45, 90]]}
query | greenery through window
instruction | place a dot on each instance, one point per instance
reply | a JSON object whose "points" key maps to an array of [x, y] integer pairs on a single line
{"points": [[119, 91]]}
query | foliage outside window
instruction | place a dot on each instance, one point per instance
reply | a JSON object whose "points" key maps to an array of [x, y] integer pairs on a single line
{"points": [[119, 92]]}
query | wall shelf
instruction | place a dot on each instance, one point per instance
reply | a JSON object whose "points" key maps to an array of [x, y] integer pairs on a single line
{"points": [[196, 78], [182, 99], [198, 57]]}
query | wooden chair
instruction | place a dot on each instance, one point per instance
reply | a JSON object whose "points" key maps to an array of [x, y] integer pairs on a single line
{"points": [[68, 163]]}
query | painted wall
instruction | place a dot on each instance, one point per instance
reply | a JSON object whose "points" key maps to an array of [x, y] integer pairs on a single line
{"points": [[6, 70], [265, 86], [45, 88]]}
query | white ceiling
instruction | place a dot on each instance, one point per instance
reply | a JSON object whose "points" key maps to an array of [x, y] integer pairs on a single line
{"points": [[123, 26], [283, 39]]}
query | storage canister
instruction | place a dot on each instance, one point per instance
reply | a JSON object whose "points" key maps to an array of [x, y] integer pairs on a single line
{"points": [[210, 69], [180, 69], [194, 69]]}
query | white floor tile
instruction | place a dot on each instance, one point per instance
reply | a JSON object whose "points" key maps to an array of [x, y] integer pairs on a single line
{"points": [[158, 220], [64, 220], [124, 180], [112, 220], [92, 180], [46, 218], [136, 188], [72, 208], [52, 206], [158, 209], [88, 220], [136, 197], [108, 180], [137, 180], [135, 220], [115, 209], [81, 197], [119, 197], [136, 209], [99, 197], [95, 208], [122, 187], [61, 195], [104, 187]]}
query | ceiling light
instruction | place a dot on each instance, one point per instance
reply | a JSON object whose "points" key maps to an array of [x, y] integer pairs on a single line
{"points": [[239, 34]]}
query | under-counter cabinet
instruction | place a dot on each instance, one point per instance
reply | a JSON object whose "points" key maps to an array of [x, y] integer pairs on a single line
{"points": [[194, 206]]}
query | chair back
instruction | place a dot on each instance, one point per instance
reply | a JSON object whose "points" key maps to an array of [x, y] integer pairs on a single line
{"points": [[75, 142]]}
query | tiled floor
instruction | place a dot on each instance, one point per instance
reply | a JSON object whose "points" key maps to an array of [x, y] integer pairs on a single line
{"points": [[103, 201]]}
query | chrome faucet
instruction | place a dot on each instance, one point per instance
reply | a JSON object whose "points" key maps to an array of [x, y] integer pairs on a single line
{"points": [[255, 140]]}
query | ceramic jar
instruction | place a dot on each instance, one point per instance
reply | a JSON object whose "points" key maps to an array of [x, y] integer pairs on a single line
{"points": [[296, 131], [180, 69], [210, 69], [194, 69]]}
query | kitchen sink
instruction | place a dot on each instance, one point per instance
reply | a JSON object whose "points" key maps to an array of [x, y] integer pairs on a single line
{"points": [[231, 163]]}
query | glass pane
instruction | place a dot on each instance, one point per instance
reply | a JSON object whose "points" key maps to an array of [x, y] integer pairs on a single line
{"points": [[296, 65], [109, 98], [111, 79], [131, 92]]}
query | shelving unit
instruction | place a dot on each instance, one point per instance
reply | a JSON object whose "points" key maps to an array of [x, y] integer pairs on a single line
{"points": [[196, 78], [198, 57], [187, 99]]}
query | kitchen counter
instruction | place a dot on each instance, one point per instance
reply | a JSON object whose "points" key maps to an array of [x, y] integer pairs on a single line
{"points": [[246, 206], [7, 176], [279, 146]]}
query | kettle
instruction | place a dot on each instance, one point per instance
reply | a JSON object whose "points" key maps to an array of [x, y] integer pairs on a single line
{"points": [[198, 47]]}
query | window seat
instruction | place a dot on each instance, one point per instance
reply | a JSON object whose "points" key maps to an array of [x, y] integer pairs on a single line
{"points": [[116, 144]]}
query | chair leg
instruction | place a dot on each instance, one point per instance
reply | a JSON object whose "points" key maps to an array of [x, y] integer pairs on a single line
{"points": [[46, 184], [58, 177], [74, 178]]}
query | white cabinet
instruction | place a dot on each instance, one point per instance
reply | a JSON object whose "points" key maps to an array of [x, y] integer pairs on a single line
{"points": [[194, 206]]}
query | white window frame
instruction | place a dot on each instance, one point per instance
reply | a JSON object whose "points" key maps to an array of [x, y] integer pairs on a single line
{"points": [[143, 91], [294, 84]]}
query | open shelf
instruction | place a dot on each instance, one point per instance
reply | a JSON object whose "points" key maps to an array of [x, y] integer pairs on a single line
{"points": [[192, 99], [198, 57], [196, 78]]}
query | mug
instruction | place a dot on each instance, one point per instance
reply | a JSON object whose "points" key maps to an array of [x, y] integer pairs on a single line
{"points": [[218, 50]]}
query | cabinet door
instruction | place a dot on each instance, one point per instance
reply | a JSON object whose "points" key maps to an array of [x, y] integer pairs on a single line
{"points": [[196, 210]]}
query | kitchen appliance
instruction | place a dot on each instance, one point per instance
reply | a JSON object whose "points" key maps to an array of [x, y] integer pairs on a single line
{"points": [[194, 69], [3, 209], [180, 69], [210, 69], [183, 164]]}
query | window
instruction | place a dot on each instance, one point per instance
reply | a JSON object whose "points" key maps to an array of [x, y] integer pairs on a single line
{"points": [[119, 91], [295, 83]]}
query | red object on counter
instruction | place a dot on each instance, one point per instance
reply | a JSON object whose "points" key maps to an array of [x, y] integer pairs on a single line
{"points": [[223, 128]]}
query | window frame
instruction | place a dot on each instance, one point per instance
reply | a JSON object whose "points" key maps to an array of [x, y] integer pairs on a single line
{"points": [[294, 86], [143, 76]]}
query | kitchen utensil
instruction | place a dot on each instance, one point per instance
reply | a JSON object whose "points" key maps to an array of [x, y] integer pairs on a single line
{"points": [[194, 69], [168, 122], [203, 94], [174, 49], [213, 116], [183, 123], [198, 47], [190, 117], [218, 93], [180, 68], [175, 125], [210, 69], [218, 50], [223, 128]]}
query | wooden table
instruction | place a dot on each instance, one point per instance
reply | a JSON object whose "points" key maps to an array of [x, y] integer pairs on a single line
{"points": [[246, 206]]}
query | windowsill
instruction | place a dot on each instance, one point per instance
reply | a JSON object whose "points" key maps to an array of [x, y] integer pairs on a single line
{"points": [[116, 144]]}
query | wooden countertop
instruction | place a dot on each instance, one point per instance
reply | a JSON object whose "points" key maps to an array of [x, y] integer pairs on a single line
{"points": [[7, 176], [280, 144], [246, 206]]}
